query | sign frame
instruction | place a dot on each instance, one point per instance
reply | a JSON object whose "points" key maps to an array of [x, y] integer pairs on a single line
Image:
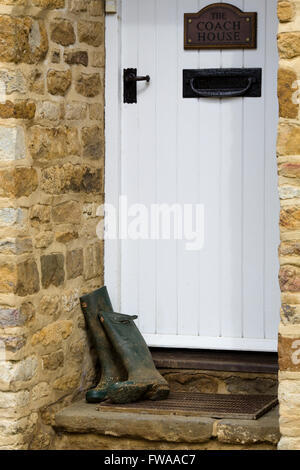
{"points": [[250, 17]]}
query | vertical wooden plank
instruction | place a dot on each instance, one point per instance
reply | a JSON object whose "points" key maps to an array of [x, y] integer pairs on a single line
{"points": [[112, 151], [209, 159], [166, 121], [231, 203], [147, 164], [253, 198], [188, 181], [129, 161], [272, 291]]}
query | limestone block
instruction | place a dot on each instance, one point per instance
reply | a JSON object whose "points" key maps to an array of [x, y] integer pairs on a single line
{"points": [[52, 267], [62, 32], [53, 334], [12, 143], [88, 85], [91, 32], [59, 82]]}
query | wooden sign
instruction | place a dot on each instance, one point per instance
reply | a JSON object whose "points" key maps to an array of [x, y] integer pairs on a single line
{"points": [[220, 26]]}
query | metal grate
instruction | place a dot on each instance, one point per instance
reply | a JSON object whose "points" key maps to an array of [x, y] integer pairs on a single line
{"points": [[201, 404]]}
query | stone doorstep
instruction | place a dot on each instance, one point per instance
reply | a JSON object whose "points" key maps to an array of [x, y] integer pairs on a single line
{"points": [[83, 418]]}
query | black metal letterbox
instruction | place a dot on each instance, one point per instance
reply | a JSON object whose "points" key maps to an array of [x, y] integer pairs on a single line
{"points": [[222, 83]]}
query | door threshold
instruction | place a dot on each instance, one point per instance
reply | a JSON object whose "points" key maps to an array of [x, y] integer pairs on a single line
{"points": [[225, 361]]}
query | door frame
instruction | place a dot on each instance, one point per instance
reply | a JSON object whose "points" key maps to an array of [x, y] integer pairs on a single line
{"points": [[112, 248]]}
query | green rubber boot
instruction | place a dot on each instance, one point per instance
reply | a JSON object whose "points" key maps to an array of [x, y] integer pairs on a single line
{"points": [[144, 381], [91, 305]]}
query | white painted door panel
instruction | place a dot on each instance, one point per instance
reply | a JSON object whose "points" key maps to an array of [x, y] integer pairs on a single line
{"points": [[220, 153]]}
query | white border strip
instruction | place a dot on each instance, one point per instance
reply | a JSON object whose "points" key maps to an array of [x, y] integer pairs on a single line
{"points": [[199, 342]]}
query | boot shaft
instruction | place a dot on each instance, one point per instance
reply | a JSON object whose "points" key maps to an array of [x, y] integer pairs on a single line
{"points": [[129, 344]]}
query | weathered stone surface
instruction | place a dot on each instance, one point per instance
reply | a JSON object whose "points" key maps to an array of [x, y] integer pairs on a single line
{"points": [[289, 353], [54, 360], [92, 142], [289, 278], [8, 246], [70, 300], [13, 400], [13, 343], [12, 143], [289, 45], [97, 59], [285, 11], [28, 278], [62, 32], [74, 263], [96, 112], [65, 237], [40, 214], [71, 178], [59, 82], [8, 277], [36, 81], [191, 381], [289, 169], [44, 239], [92, 7], [26, 181], [21, 371], [241, 431], [289, 443], [286, 90], [76, 58], [11, 317], [49, 110], [10, 217], [18, 110], [23, 39], [76, 111], [47, 143], [82, 417], [91, 32], [290, 314], [12, 81], [52, 267], [92, 261], [255, 386], [67, 212], [88, 85], [288, 142], [51, 4], [18, 182], [67, 382], [290, 218], [50, 306], [54, 333], [40, 391]]}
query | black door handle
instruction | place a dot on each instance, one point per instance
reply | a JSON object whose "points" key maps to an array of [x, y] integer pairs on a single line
{"points": [[130, 79], [220, 93], [133, 78]]}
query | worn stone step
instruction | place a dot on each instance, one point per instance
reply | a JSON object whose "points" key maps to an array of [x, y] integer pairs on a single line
{"points": [[84, 426]]}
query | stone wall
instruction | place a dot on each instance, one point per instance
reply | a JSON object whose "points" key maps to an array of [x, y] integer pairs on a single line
{"points": [[289, 252], [51, 182]]}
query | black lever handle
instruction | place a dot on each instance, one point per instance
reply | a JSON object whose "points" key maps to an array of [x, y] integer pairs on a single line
{"points": [[133, 78], [220, 93]]}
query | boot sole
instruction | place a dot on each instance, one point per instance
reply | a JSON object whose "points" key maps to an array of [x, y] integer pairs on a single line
{"points": [[158, 392]]}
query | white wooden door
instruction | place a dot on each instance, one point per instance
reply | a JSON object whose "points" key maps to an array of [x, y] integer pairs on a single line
{"points": [[217, 152]]}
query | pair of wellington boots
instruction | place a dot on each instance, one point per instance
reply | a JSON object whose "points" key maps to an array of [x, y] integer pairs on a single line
{"points": [[128, 373]]}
